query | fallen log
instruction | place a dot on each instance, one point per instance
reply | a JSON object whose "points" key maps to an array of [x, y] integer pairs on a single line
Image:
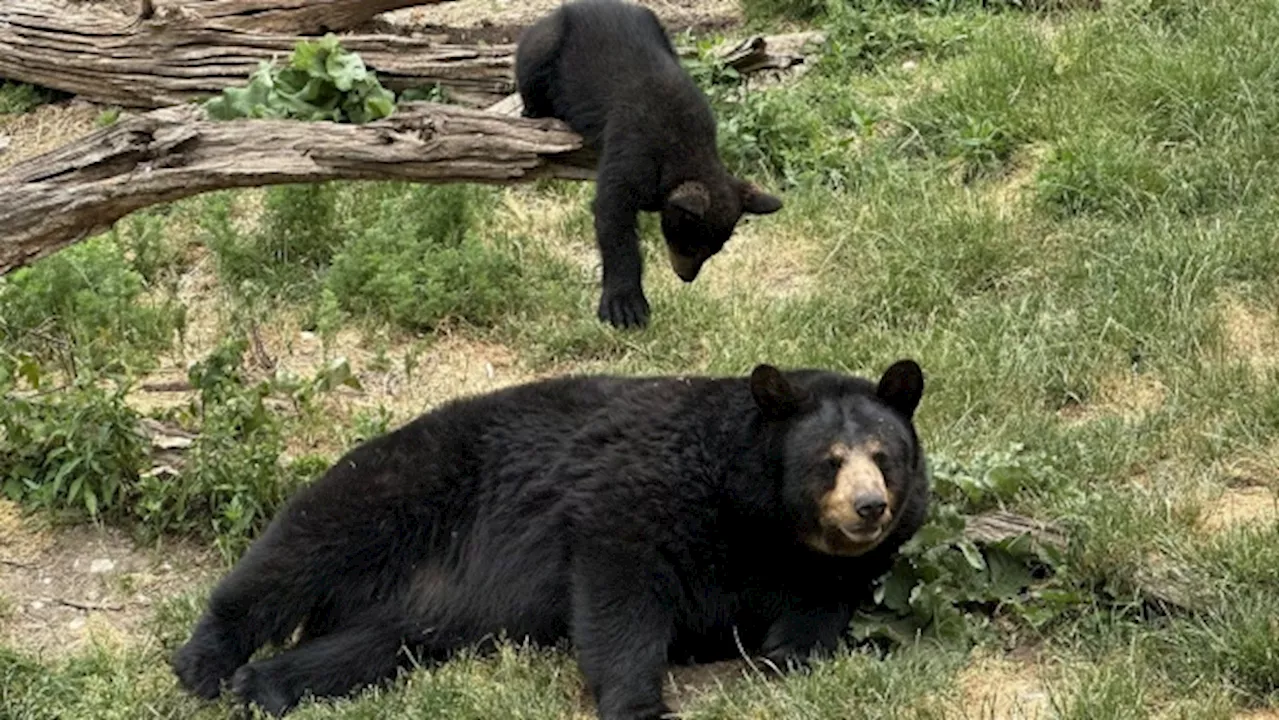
{"points": [[55, 199], [305, 17], [190, 49]]}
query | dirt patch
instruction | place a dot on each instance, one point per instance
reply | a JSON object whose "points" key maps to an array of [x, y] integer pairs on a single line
{"points": [[500, 21], [1241, 506], [1008, 192], [999, 688], [45, 128], [64, 588], [1128, 395], [1249, 334]]}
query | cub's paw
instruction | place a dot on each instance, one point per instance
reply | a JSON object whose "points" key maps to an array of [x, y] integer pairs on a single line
{"points": [[202, 667], [256, 684], [624, 308]]}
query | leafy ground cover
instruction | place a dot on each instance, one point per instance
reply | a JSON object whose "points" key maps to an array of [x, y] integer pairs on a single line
{"points": [[1068, 217]]}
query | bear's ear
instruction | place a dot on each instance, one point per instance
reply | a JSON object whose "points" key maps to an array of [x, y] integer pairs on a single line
{"points": [[777, 398], [901, 387], [691, 197], [758, 202]]}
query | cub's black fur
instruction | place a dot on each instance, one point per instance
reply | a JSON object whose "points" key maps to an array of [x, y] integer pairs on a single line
{"points": [[647, 520], [608, 69]]}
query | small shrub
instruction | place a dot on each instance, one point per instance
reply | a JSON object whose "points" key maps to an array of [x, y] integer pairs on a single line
{"points": [[84, 308], [417, 265], [293, 241], [232, 480], [17, 98], [77, 450]]}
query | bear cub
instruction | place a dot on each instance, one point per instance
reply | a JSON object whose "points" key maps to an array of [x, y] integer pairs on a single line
{"points": [[608, 69], [645, 520]]}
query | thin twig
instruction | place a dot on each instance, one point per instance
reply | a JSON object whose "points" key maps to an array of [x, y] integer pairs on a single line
{"points": [[82, 605]]}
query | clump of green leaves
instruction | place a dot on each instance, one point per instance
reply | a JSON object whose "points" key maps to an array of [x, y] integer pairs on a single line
{"points": [[322, 81], [945, 585]]}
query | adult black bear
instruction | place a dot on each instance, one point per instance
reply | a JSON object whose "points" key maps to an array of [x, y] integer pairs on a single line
{"points": [[645, 519], [608, 69]]}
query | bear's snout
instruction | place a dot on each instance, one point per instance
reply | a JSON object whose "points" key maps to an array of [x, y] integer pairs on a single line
{"points": [[686, 267], [870, 506]]}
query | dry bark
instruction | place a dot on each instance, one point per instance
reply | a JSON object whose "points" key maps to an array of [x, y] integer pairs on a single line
{"points": [[58, 198]]}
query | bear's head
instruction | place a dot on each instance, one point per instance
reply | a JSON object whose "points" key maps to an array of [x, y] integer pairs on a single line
{"points": [[698, 218], [851, 465]]}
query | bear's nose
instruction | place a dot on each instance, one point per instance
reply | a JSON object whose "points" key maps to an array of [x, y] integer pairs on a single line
{"points": [[869, 506]]}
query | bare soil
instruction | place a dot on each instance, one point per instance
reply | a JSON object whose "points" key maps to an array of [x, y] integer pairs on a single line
{"points": [[63, 589]]}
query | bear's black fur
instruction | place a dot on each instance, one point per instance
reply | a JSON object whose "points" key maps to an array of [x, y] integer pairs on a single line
{"points": [[645, 519], [608, 69]]}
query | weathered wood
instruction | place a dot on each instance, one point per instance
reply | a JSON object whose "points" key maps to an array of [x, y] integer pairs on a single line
{"points": [[999, 526], [305, 17], [53, 200], [191, 49]]}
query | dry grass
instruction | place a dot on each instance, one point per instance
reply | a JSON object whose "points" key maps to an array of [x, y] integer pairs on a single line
{"points": [[993, 687], [1241, 506], [1127, 395], [45, 128], [1249, 334]]}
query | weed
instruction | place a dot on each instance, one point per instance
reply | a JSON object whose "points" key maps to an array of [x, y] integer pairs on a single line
{"points": [[84, 308], [17, 98], [77, 450], [107, 117]]}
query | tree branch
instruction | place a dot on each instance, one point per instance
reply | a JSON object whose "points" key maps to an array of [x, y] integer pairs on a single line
{"points": [[58, 198]]}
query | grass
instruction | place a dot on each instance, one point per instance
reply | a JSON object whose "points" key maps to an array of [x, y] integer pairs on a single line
{"points": [[1068, 218]]}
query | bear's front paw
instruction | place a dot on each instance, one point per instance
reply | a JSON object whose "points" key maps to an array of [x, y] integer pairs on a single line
{"points": [[624, 308], [201, 668], [256, 684]]}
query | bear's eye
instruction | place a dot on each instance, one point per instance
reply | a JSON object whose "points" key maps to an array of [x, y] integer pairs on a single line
{"points": [[835, 461], [879, 458]]}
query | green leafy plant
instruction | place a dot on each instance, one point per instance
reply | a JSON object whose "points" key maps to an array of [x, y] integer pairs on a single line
{"points": [[233, 480], [945, 585], [74, 450], [322, 81], [17, 98]]}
